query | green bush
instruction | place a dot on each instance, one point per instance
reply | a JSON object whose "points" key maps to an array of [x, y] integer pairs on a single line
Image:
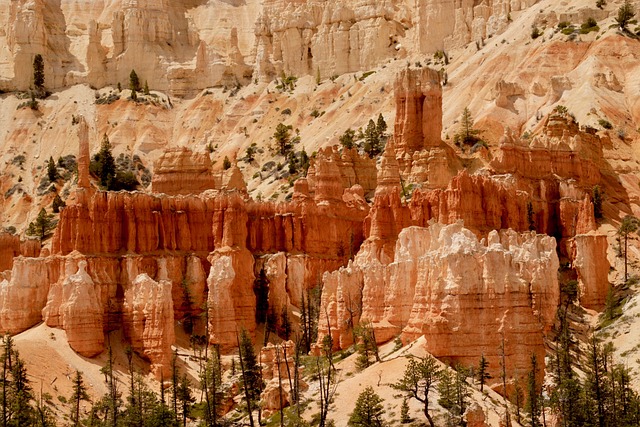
{"points": [[605, 124]]}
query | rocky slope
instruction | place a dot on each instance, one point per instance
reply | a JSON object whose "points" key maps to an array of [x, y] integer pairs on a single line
{"points": [[558, 116]]}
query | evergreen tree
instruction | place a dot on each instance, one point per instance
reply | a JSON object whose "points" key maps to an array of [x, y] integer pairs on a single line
{"points": [[211, 384], [366, 345], [52, 170], [466, 133], [42, 226], [252, 382], [368, 410], [372, 144], [381, 126], [404, 412], [104, 165], [533, 396], [185, 398], [628, 225], [347, 139], [304, 161], [146, 88], [626, 12], [134, 81], [283, 138], [596, 196], [38, 72], [57, 204], [483, 374], [79, 394], [419, 378]]}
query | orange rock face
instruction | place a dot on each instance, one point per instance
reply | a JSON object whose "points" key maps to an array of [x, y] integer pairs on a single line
{"points": [[11, 246], [74, 304], [418, 109], [148, 320], [180, 171], [465, 296]]}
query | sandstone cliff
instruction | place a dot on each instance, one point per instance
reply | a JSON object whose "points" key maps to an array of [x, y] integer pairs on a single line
{"points": [[467, 297]]}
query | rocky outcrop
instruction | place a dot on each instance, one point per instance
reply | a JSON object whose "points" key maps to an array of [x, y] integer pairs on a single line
{"points": [[157, 39], [231, 301], [148, 319], [589, 254], [352, 169], [80, 312], [24, 294], [418, 97], [11, 246], [455, 290], [180, 171]]}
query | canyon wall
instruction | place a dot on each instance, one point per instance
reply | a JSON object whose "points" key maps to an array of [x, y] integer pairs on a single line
{"points": [[184, 47], [468, 297]]}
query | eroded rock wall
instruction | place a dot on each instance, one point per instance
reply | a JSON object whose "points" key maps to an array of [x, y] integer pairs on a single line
{"points": [[464, 295]]}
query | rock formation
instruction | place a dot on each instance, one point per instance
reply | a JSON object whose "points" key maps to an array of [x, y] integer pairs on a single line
{"points": [[148, 319], [418, 96], [455, 290], [180, 171], [11, 246], [75, 306]]}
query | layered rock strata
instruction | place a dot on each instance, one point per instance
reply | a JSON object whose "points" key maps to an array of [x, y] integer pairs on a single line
{"points": [[467, 297]]}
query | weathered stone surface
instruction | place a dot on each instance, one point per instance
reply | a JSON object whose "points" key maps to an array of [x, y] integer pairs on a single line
{"points": [[148, 319], [11, 246], [24, 295], [231, 301], [180, 171], [461, 290], [418, 97], [589, 253], [81, 313]]}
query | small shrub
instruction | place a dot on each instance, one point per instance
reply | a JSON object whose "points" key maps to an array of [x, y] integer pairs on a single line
{"points": [[315, 114], [535, 32], [286, 111], [589, 25], [605, 124], [226, 163], [564, 24]]}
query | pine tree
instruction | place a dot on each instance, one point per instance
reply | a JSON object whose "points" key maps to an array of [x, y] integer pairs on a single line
{"points": [[52, 170], [483, 374], [466, 132], [366, 345], [146, 88], [283, 139], [252, 382], [404, 412], [347, 139], [103, 165], [211, 384], [134, 81], [626, 12], [381, 125], [628, 225], [372, 144], [42, 226], [79, 394], [185, 398], [368, 411], [533, 396], [419, 378], [57, 204], [38, 72], [596, 196]]}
